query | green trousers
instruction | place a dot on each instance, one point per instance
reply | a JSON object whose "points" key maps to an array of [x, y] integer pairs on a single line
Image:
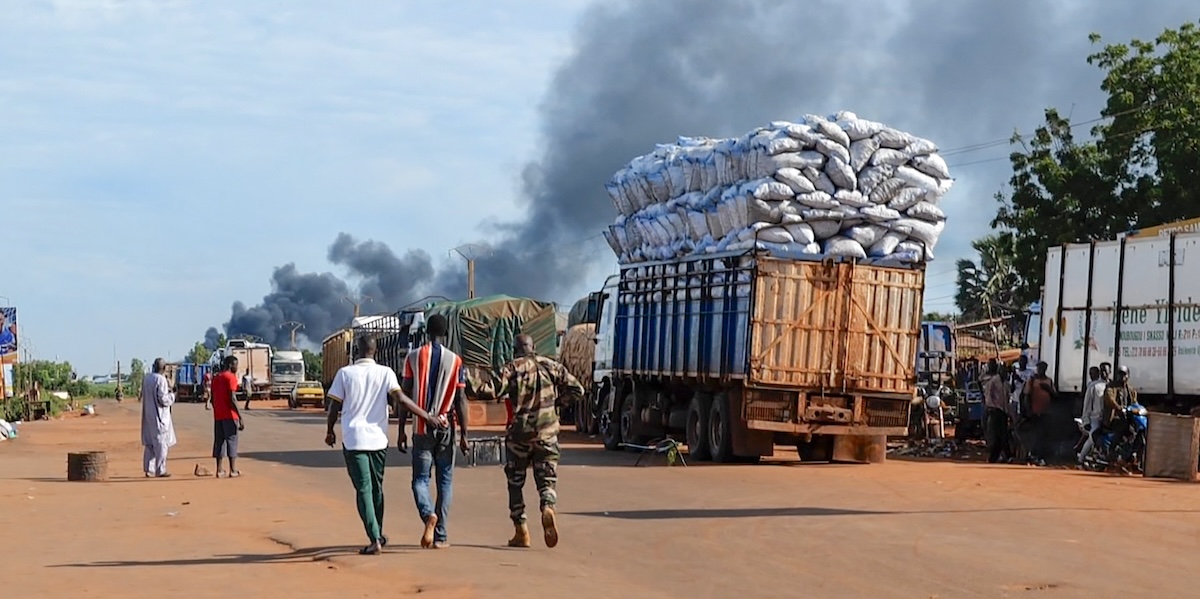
{"points": [[366, 472]]}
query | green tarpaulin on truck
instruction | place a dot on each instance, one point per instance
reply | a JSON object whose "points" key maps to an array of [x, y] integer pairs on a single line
{"points": [[482, 330]]}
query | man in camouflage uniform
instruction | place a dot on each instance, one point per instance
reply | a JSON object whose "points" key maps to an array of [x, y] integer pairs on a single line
{"points": [[533, 386]]}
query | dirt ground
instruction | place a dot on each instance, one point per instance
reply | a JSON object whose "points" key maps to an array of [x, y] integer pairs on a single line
{"points": [[944, 529]]}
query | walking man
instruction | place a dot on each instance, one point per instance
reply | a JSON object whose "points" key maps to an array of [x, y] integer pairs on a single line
{"points": [[1093, 410], [247, 386], [158, 430], [435, 377], [359, 394], [534, 385], [995, 399], [227, 421]]}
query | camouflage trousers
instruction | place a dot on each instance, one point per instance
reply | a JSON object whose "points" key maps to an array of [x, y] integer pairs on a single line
{"points": [[540, 453]]}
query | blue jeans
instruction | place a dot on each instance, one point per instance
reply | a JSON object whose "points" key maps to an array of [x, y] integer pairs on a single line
{"points": [[428, 457]]}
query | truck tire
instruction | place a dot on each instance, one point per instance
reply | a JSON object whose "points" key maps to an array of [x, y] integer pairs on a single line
{"points": [[610, 427], [697, 427], [627, 420], [720, 429]]}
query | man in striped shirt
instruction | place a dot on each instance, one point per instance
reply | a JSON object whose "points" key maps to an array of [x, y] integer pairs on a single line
{"points": [[436, 380]]}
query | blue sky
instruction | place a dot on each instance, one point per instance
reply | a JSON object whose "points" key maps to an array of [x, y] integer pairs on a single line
{"points": [[158, 158]]}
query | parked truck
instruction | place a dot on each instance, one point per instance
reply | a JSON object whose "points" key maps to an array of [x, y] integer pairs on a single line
{"points": [[287, 371], [1130, 302], [252, 357], [740, 352], [189, 381]]}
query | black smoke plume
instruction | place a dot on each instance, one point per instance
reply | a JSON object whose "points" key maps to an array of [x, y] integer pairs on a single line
{"points": [[642, 73]]}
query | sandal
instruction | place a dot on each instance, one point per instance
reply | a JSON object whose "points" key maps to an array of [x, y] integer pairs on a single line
{"points": [[383, 540], [221, 473], [372, 549], [235, 474]]}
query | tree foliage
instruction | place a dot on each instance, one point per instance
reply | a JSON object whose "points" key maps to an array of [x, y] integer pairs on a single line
{"points": [[1136, 171], [312, 365], [989, 284], [199, 354], [137, 372]]}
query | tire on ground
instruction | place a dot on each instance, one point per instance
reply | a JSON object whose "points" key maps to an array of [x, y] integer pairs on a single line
{"points": [[720, 429]]}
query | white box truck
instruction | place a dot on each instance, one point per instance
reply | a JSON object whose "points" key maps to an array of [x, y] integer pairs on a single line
{"points": [[1132, 301]]}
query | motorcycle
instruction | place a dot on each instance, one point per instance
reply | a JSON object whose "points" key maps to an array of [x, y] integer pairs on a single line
{"points": [[1122, 445], [927, 417]]}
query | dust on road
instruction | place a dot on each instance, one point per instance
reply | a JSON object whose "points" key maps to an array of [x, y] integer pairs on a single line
{"points": [[780, 529]]}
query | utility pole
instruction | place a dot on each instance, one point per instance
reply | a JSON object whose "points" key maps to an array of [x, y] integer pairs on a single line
{"points": [[472, 252], [357, 305], [295, 327]]}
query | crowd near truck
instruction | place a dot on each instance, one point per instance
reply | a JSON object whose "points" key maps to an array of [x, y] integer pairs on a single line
{"points": [[287, 371], [741, 352], [1133, 302], [252, 357]]}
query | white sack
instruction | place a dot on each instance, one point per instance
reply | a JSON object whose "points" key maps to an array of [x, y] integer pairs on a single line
{"points": [[906, 198], [926, 211], [933, 165], [865, 235], [841, 174], [886, 244], [802, 233], [853, 199], [916, 178], [861, 152], [872, 176], [817, 199], [833, 149], [793, 178], [892, 138], [843, 246], [886, 191]]}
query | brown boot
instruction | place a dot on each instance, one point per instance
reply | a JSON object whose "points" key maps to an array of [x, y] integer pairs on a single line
{"points": [[550, 527], [520, 536]]}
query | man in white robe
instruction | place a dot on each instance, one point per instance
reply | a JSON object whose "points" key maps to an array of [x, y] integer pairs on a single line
{"points": [[158, 430]]}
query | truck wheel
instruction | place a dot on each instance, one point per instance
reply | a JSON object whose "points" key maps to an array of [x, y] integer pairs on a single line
{"points": [[697, 428], [627, 422], [720, 439], [610, 429]]}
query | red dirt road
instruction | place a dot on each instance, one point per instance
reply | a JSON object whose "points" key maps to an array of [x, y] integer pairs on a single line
{"points": [[901, 529]]}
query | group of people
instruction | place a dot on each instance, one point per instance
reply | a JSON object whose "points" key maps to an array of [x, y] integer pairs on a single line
{"points": [[1018, 402], [158, 427], [432, 390]]}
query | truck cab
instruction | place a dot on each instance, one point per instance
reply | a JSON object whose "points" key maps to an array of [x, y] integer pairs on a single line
{"points": [[1033, 333], [287, 370]]}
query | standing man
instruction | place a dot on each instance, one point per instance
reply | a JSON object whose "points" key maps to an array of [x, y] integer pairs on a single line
{"points": [[435, 377], [227, 422], [359, 393], [995, 399], [247, 386], [1093, 410], [1038, 393], [158, 430], [1106, 372], [534, 385], [207, 389]]}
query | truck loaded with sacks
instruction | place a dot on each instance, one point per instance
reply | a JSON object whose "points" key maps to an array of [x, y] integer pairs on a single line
{"points": [[770, 291]]}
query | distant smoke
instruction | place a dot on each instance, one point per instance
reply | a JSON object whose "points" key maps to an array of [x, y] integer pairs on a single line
{"points": [[959, 73]]}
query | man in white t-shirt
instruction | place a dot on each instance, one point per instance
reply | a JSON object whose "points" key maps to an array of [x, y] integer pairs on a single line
{"points": [[359, 393]]}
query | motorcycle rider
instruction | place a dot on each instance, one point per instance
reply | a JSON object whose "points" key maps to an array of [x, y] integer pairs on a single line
{"points": [[1093, 410], [1118, 395]]}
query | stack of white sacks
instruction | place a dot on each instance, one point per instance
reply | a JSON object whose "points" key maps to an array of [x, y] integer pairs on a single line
{"points": [[838, 186]]}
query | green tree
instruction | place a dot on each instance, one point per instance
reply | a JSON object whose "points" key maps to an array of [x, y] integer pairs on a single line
{"points": [[53, 376], [1137, 171], [312, 365], [987, 285], [137, 371], [199, 354]]}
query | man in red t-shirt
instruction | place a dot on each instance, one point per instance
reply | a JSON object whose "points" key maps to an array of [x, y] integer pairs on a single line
{"points": [[227, 421]]}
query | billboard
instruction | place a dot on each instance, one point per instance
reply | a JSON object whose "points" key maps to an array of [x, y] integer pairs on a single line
{"points": [[8, 349], [8, 334]]}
